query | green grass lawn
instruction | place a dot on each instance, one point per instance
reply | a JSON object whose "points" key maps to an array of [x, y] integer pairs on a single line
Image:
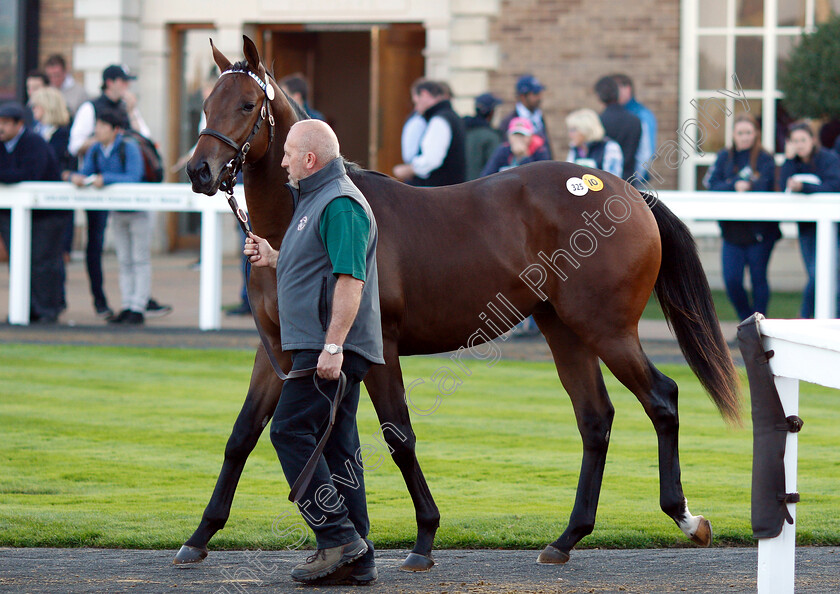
{"points": [[120, 447], [782, 306]]}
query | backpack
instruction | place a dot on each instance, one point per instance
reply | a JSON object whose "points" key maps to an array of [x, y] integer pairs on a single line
{"points": [[152, 163]]}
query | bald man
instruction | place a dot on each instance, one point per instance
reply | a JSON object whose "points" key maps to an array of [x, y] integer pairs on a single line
{"points": [[328, 297]]}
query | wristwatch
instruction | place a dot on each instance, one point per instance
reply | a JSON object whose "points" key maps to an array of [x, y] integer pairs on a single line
{"points": [[333, 349]]}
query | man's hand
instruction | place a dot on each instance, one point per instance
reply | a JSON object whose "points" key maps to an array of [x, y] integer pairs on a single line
{"points": [[329, 366], [403, 171], [78, 179], [130, 100], [345, 305], [259, 252], [98, 181]]}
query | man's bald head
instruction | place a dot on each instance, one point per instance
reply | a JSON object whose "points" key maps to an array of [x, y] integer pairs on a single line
{"points": [[310, 146], [316, 137]]}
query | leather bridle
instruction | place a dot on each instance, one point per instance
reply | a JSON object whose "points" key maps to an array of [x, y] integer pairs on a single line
{"points": [[234, 166]]}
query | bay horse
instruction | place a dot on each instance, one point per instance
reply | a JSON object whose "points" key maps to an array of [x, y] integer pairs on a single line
{"points": [[582, 260]]}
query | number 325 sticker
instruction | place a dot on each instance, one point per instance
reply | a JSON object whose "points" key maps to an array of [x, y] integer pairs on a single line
{"points": [[576, 186]]}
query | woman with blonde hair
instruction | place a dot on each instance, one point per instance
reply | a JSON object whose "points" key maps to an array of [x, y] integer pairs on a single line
{"points": [[588, 145], [52, 123]]}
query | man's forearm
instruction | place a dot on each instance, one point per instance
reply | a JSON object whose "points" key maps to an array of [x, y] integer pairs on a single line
{"points": [[346, 299]]}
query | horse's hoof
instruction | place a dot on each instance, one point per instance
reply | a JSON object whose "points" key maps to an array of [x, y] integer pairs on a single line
{"points": [[703, 535], [552, 556], [417, 562], [189, 554]]}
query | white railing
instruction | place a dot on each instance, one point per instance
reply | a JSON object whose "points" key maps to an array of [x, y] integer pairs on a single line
{"points": [[24, 197], [806, 350], [824, 209]]}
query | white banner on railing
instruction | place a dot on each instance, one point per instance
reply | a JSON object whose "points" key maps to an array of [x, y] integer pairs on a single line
{"points": [[824, 209]]}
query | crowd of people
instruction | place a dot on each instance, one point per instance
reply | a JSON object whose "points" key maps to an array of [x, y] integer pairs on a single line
{"points": [[621, 140], [441, 148], [747, 167], [62, 134], [93, 142]]}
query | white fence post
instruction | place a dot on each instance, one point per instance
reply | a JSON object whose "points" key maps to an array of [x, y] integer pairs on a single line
{"points": [[776, 556], [20, 259], [825, 306], [210, 294], [804, 350]]}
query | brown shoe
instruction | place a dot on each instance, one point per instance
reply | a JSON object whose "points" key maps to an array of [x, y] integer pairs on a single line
{"points": [[325, 561], [352, 574]]}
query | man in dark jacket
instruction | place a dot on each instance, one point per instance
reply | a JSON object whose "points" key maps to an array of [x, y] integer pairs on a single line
{"points": [[619, 124], [116, 96], [443, 159], [329, 319], [25, 156], [529, 91], [482, 138]]}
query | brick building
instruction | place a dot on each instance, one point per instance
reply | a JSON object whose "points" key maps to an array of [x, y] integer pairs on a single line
{"points": [[361, 55]]}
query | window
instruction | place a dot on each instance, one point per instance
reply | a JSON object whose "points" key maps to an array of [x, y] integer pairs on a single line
{"points": [[18, 46], [747, 40], [8, 48]]}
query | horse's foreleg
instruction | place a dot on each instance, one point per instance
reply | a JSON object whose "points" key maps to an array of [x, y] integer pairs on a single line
{"points": [[658, 395], [259, 405], [385, 386], [581, 376]]}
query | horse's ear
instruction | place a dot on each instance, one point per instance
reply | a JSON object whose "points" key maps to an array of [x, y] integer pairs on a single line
{"points": [[222, 62], [253, 56]]}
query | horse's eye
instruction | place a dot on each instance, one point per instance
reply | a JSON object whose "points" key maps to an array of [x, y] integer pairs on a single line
{"points": [[249, 106]]}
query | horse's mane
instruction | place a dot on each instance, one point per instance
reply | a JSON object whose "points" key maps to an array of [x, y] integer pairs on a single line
{"points": [[299, 111], [354, 169], [242, 66]]}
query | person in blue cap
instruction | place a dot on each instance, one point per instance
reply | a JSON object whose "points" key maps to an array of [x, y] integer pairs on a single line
{"points": [[482, 138], [528, 99]]}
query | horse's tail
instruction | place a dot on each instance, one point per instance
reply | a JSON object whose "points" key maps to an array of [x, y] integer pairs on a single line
{"points": [[686, 300]]}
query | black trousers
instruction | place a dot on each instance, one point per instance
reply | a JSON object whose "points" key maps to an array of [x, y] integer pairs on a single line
{"points": [[334, 504], [47, 272]]}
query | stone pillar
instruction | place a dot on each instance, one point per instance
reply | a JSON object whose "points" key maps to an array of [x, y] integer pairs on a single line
{"points": [[112, 36], [472, 55]]}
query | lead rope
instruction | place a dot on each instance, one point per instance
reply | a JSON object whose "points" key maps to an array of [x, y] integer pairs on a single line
{"points": [[305, 476]]}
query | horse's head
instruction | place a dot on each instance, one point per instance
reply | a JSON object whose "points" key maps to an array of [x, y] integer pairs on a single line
{"points": [[241, 112]]}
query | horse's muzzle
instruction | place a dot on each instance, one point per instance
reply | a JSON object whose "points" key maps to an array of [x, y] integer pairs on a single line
{"points": [[203, 181]]}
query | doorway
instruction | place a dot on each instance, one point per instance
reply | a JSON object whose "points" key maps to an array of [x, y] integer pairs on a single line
{"points": [[359, 78]]}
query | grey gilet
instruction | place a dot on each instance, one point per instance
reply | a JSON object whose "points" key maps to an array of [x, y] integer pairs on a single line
{"points": [[305, 281]]}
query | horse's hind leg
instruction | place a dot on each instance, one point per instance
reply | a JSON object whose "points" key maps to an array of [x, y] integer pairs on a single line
{"points": [[658, 395], [580, 373], [385, 386], [259, 405]]}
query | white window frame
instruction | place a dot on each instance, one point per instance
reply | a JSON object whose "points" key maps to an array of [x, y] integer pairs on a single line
{"points": [[690, 33]]}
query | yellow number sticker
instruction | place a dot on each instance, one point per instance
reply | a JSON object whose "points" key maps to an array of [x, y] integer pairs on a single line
{"points": [[593, 183]]}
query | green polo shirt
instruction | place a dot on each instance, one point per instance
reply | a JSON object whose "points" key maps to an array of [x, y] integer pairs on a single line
{"points": [[345, 229]]}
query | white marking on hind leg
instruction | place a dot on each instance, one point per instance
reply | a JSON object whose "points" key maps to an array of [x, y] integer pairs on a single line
{"points": [[688, 523]]}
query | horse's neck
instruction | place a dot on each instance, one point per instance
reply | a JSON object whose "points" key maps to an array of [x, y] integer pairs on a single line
{"points": [[269, 201]]}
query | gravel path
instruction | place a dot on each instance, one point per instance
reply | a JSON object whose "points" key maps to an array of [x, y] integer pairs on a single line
{"points": [[714, 570]]}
